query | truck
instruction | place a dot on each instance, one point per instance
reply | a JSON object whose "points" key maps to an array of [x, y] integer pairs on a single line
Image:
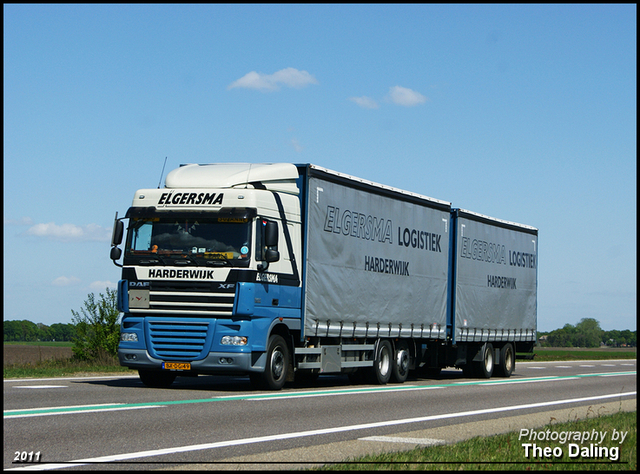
{"points": [[283, 272]]}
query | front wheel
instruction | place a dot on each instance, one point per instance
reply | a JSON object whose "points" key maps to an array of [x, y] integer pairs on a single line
{"points": [[277, 367]]}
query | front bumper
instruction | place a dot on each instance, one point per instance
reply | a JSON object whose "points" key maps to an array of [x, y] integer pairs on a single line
{"points": [[216, 363]]}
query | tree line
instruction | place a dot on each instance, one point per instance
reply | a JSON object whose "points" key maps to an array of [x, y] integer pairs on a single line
{"points": [[587, 333], [27, 331]]}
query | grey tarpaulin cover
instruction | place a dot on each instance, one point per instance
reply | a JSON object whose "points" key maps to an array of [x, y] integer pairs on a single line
{"points": [[376, 263], [496, 269]]}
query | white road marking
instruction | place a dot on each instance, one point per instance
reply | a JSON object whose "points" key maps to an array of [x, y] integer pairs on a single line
{"points": [[41, 386], [489, 384], [90, 409], [302, 434], [73, 378], [64, 407], [328, 393], [399, 439]]}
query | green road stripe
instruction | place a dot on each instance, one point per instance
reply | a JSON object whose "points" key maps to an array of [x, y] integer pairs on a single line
{"points": [[281, 395]]}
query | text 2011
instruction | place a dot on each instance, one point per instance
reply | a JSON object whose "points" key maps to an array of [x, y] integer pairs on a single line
{"points": [[24, 456]]}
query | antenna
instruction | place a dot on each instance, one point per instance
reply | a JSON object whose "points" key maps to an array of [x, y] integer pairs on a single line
{"points": [[161, 174]]}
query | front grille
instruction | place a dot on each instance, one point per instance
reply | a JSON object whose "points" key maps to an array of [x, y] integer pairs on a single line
{"points": [[177, 340], [191, 298]]}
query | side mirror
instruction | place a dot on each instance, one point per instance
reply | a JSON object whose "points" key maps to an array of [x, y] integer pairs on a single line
{"points": [[270, 244], [116, 253], [271, 255], [116, 239], [118, 231], [271, 234]]}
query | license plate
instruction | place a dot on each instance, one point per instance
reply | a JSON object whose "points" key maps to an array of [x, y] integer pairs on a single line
{"points": [[176, 365]]}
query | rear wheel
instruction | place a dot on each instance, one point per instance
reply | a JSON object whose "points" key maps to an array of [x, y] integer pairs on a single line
{"points": [[400, 370], [507, 363], [156, 378], [382, 365], [484, 368]]}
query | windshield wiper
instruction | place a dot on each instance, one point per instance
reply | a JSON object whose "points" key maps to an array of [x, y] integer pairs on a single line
{"points": [[220, 262], [156, 259], [184, 259]]}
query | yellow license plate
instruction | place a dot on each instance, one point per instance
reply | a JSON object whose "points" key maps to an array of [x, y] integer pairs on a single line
{"points": [[176, 365]]}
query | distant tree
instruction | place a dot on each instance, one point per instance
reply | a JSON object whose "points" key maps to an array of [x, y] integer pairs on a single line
{"points": [[62, 332], [12, 330], [97, 327], [43, 332], [588, 333], [630, 337], [562, 337], [617, 338]]}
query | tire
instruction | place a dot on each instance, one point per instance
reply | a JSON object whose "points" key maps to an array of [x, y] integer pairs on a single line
{"points": [[383, 363], [484, 368], [156, 378], [401, 360], [277, 366], [507, 363]]}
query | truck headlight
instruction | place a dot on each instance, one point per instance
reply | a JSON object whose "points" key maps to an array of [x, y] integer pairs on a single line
{"points": [[128, 337], [234, 340]]}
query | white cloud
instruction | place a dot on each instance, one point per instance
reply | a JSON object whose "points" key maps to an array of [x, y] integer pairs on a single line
{"points": [[65, 281], [71, 232], [289, 77], [406, 97], [365, 102], [101, 286]]}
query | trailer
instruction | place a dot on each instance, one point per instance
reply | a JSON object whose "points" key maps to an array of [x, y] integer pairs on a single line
{"points": [[283, 272]]}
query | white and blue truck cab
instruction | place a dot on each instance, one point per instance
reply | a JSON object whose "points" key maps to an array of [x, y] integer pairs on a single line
{"points": [[280, 271]]}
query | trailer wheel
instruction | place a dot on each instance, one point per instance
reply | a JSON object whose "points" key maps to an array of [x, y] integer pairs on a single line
{"points": [[382, 365], [400, 370], [485, 366], [507, 361], [156, 378], [277, 366]]}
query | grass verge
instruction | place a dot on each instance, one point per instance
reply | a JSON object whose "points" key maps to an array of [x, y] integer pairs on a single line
{"points": [[506, 451], [552, 354], [62, 368]]}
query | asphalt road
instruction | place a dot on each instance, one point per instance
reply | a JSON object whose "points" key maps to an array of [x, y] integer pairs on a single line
{"points": [[222, 423]]}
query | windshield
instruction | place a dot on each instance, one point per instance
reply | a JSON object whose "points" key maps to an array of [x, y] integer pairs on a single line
{"points": [[199, 241]]}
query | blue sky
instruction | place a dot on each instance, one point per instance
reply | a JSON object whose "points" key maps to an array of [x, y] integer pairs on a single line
{"points": [[522, 112]]}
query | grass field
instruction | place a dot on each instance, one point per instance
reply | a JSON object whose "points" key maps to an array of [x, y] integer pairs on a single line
{"points": [[31, 353], [50, 359], [543, 354]]}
